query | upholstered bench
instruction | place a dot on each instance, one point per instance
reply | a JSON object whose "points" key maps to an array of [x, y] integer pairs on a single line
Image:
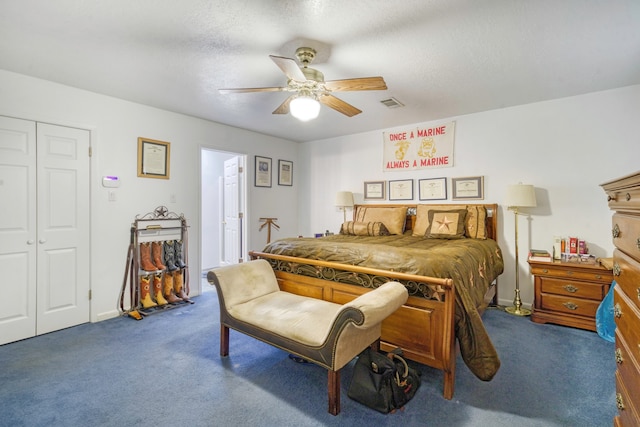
{"points": [[322, 332]]}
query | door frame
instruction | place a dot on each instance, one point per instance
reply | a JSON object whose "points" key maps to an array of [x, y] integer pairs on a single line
{"points": [[219, 215]]}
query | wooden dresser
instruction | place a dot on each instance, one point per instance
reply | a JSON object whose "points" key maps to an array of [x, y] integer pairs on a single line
{"points": [[623, 196], [568, 293]]}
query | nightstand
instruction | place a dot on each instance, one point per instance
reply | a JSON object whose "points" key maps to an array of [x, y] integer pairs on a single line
{"points": [[568, 293]]}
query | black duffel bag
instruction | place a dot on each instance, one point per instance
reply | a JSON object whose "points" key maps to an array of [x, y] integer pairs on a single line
{"points": [[383, 382]]}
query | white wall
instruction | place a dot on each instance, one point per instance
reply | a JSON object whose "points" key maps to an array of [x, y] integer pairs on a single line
{"points": [[115, 127], [565, 147]]}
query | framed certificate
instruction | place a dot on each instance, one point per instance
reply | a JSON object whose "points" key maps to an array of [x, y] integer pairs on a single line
{"points": [[153, 158], [468, 188], [263, 172], [374, 190], [401, 189], [432, 189]]}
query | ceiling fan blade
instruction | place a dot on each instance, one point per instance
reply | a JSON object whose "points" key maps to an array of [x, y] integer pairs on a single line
{"points": [[284, 107], [339, 105], [363, 83], [252, 89], [289, 67]]}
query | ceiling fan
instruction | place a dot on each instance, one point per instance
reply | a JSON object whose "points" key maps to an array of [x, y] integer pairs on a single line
{"points": [[308, 86]]}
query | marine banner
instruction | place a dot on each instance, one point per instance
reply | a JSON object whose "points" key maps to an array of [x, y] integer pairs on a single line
{"points": [[419, 147]]}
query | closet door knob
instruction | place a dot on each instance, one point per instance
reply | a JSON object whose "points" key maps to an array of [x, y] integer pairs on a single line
{"points": [[42, 241], [30, 242]]}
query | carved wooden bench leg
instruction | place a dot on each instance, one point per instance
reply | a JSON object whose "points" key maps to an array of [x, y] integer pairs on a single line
{"points": [[224, 341], [334, 392]]}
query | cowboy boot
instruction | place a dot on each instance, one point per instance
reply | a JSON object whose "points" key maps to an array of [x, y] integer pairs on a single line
{"points": [[169, 255], [157, 289], [156, 255], [145, 257], [178, 286], [145, 293], [178, 251], [168, 289]]}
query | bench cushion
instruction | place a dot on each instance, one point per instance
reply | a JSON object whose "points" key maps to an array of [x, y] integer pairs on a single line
{"points": [[299, 318]]}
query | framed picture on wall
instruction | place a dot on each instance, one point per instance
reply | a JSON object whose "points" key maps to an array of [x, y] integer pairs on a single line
{"points": [[263, 172], [153, 158], [285, 172], [432, 189], [468, 188], [374, 190], [401, 189]]}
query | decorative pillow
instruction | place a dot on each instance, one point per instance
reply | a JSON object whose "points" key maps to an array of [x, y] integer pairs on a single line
{"points": [[446, 224], [354, 228], [475, 227], [393, 218]]}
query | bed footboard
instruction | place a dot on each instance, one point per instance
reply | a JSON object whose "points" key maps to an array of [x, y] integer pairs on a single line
{"points": [[423, 327]]}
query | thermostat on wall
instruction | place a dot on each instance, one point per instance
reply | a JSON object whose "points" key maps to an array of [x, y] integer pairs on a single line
{"points": [[110, 181]]}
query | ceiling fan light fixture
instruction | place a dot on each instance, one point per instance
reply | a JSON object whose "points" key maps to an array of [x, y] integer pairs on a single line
{"points": [[304, 108]]}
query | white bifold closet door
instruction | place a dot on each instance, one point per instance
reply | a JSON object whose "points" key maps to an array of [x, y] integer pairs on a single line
{"points": [[44, 228]]}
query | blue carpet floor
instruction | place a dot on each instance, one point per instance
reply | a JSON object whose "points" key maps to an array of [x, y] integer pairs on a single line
{"points": [[165, 371]]}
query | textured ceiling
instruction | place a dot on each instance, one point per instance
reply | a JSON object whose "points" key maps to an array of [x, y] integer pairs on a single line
{"points": [[440, 58]]}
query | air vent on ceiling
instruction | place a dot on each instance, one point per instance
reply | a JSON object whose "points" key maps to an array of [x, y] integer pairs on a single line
{"points": [[392, 103]]}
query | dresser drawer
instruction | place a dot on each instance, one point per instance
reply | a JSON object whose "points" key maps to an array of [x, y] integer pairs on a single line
{"points": [[627, 319], [626, 409], [625, 196], [572, 288], [569, 305], [568, 271], [628, 368], [625, 230], [626, 272]]}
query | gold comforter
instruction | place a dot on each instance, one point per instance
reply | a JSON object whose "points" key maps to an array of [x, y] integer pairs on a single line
{"points": [[473, 265]]}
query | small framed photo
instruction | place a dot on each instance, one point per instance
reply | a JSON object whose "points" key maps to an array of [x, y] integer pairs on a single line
{"points": [[401, 189], [153, 158], [374, 190], [263, 172], [285, 172], [432, 189], [468, 188]]}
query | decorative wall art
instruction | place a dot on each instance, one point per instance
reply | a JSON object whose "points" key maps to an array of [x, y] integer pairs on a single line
{"points": [[432, 189], [263, 172], [374, 190], [401, 189], [468, 188], [285, 172], [423, 146], [153, 158]]}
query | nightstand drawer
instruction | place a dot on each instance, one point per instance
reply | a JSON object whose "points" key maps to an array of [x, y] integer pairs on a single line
{"points": [[626, 234], [569, 271], [569, 305], [627, 319], [626, 272], [572, 288]]}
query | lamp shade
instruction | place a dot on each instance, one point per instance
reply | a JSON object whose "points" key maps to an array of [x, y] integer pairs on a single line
{"points": [[344, 199], [304, 108], [521, 196]]}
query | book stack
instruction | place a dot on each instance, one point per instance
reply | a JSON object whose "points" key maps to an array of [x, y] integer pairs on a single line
{"points": [[540, 255]]}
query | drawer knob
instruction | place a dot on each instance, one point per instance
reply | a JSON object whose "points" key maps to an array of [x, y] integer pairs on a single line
{"points": [[569, 273], [617, 312], [619, 402], [638, 292], [610, 198], [627, 196], [545, 271], [615, 231], [638, 242], [616, 269], [618, 356], [570, 288], [570, 305]]}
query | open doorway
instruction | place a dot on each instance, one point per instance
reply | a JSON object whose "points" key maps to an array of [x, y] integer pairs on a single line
{"points": [[223, 189]]}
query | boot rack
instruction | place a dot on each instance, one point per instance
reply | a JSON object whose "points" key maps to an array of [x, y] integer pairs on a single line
{"points": [[156, 269]]}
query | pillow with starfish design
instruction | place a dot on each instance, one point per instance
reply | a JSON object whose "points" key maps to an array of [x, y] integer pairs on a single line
{"points": [[446, 224]]}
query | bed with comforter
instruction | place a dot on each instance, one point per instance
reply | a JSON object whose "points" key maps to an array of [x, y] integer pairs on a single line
{"points": [[447, 257]]}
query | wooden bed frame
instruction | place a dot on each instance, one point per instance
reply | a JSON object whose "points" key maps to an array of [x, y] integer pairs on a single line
{"points": [[423, 328]]}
